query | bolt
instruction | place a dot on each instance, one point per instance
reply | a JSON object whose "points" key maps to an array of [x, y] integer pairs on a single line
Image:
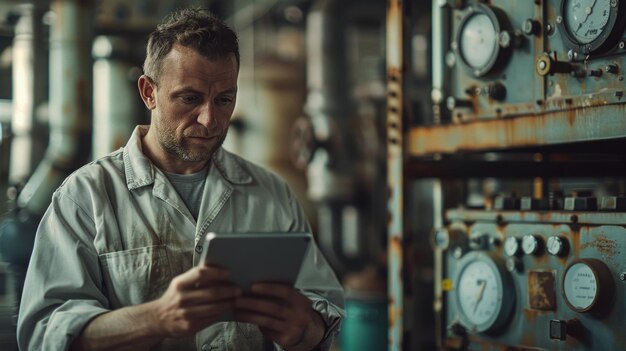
{"points": [[542, 65], [559, 19], [613, 3], [622, 276], [622, 44]]}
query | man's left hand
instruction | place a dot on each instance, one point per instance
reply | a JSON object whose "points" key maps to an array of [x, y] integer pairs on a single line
{"points": [[283, 314]]}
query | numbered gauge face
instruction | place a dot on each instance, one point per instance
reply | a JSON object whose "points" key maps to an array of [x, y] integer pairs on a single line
{"points": [[484, 294], [478, 40], [584, 283], [591, 26], [580, 286], [585, 20]]}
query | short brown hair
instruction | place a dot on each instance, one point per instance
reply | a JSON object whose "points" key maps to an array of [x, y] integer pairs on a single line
{"points": [[194, 28]]}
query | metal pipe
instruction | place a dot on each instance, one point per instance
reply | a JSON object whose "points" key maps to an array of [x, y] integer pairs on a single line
{"points": [[115, 110], [30, 70], [70, 102], [328, 103]]}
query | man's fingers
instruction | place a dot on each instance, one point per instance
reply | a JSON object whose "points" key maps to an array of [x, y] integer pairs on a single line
{"points": [[212, 294], [261, 320], [201, 275], [277, 290], [208, 311], [264, 306]]}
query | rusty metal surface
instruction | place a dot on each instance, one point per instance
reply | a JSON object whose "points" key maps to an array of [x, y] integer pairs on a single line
{"points": [[538, 285], [541, 290], [588, 124], [395, 169], [572, 217]]}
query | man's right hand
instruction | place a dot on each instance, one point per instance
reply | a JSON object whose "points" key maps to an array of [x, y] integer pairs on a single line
{"points": [[193, 301]]}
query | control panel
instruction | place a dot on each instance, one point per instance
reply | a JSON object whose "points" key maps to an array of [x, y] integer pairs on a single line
{"points": [[511, 58], [538, 275]]}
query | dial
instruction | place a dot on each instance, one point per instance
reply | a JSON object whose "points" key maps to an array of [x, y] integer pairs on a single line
{"points": [[483, 292], [531, 244], [587, 285], [557, 246], [586, 19], [511, 246], [478, 39], [590, 26]]}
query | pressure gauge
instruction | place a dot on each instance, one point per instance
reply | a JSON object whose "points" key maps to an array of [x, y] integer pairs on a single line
{"points": [[531, 244], [478, 39], [590, 26], [557, 246], [588, 286], [484, 292], [511, 246]]}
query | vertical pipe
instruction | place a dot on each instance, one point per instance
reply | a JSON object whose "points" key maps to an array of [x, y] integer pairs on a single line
{"points": [[115, 97], [395, 170], [30, 89], [70, 102]]}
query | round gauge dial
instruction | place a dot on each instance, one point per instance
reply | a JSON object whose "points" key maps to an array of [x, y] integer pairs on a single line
{"points": [[585, 19], [557, 246], [587, 285], [590, 26], [477, 39], [484, 292], [531, 244], [511, 246]]}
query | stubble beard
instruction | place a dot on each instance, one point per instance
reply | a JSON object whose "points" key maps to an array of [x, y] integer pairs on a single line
{"points": [[180, 147]]}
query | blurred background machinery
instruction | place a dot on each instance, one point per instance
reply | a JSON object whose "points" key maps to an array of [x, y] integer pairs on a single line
{"points": [[461, 161], [311, 108], [521, 161]]}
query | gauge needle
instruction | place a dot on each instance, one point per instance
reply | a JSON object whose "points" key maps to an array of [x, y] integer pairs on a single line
{"points": [[481, 292], [588, 11]]}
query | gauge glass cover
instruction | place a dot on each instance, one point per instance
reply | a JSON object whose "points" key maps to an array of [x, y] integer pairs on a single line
{"points": [[479, 293], [555, 245], [511, 246], [530, 244], [580, 286], [586, 20], [478, 41]]}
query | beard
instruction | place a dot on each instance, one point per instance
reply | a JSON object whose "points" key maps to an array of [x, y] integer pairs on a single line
{"points": [[181, 148]]}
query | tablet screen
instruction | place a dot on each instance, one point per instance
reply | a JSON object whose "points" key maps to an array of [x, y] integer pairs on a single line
{"points": [[257, 257]]}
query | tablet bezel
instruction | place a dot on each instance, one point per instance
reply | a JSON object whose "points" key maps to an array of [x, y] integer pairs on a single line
{"points": [[280, 260]]}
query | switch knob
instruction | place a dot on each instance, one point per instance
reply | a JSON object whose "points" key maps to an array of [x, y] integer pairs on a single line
{"points": [[546, 65], [531, 27], [559, 329], [452, 103]]}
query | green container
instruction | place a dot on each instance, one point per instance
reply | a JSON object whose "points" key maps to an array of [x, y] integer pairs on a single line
{"points": [[365, 326]]}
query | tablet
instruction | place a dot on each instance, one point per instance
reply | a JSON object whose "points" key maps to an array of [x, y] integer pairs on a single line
{"points": [[257, 257]]}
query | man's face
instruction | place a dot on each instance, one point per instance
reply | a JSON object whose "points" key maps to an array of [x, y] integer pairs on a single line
{"points": [[193, 102]]}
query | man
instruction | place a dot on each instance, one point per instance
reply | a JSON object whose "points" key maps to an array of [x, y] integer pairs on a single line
{"points": [[115, 263]]}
